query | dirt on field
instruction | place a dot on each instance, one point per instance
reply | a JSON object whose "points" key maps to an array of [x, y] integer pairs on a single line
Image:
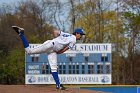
{"points": [[40, 89]]}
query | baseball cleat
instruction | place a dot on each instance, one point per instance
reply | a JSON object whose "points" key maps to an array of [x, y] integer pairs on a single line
{"points": [[61, 87], [18, 30]]}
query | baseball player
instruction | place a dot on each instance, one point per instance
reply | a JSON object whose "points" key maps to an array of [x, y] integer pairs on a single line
{"points": [[58, 45]]}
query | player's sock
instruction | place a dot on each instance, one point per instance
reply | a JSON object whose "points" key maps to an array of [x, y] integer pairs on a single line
{"points": [[56, 78], [24, 41]]}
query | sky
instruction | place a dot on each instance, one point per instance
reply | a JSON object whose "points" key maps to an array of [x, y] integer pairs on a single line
{"points": [[13, 2], [8, 1]]}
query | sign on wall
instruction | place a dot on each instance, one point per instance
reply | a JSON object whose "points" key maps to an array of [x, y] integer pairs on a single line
{"points": [[69, 79]]}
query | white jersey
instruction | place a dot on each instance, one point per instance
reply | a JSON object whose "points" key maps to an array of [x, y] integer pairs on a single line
{"points": [[64, 39]]}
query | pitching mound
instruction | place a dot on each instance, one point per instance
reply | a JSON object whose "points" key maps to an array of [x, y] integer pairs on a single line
{"points": [[40, 89]]}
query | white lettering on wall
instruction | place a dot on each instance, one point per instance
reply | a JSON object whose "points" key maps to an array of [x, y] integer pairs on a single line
{"points": [[33, 72], [87, 48], [70, 79], [33, 66]]}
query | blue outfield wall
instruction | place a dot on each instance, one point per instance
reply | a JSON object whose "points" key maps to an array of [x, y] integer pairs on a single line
{"points": [[115, 89], [138, 89]]}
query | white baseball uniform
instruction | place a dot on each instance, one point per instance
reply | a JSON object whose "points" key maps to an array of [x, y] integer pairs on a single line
{"points": [[51, 46]]}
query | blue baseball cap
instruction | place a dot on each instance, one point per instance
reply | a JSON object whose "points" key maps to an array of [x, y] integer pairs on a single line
{"points": [[79, 31]]}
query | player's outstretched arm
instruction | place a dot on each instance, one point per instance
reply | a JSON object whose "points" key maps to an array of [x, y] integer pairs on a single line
{"points": [[63, 50]]}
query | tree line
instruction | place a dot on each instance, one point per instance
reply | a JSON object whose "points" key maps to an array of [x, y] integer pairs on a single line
{"points": [[104, 21]]}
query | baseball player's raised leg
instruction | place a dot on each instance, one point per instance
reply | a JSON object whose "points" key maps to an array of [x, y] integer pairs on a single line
{"points": [[52, 58], [20, 32], [43, 48], [46, 47]]}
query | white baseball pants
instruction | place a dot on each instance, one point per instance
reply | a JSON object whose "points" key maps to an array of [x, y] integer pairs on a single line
{"points": [[46, 47]]}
